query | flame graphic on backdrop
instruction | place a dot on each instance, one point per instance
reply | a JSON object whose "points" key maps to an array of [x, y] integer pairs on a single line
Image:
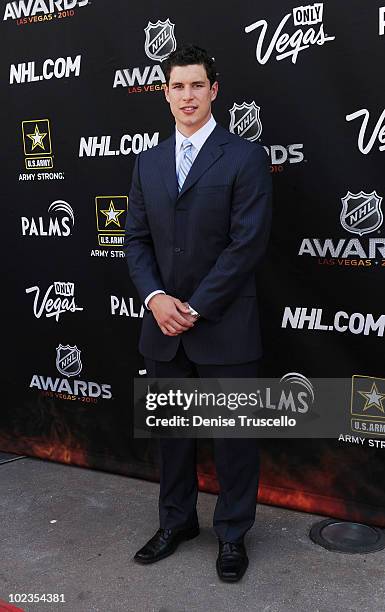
{"points": [[309, 479], [45, 449], [287, 480]]}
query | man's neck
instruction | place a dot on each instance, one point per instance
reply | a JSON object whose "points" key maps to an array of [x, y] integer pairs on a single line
{"points": [[187, 133]]}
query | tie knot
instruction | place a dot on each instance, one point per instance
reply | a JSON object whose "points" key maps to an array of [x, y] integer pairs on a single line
{"points": [[186, 144]]}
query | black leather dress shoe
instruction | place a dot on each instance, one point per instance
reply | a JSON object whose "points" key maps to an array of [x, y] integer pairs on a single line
{"points": [[164, 543], [232, 561]]}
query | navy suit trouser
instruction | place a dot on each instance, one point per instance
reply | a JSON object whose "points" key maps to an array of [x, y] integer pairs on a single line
{"points": [[236, 461]]}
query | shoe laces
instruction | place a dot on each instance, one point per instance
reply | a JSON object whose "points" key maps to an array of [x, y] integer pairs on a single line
{"points": [[165, 533], [230, 548]]}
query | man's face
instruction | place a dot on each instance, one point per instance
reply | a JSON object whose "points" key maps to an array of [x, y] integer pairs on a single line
{"points": [[190, 95]]}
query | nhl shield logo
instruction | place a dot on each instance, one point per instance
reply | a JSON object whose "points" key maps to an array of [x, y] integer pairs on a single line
{"points": [[68, 360], [245, 121], [361, 212], [160, 40]]}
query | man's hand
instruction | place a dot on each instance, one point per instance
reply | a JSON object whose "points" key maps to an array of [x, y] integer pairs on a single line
{"points": [[172, 316]]}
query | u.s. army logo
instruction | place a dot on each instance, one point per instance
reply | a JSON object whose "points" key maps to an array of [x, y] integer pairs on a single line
{"points": [[110, 219], [37, 144], [367, 405]]}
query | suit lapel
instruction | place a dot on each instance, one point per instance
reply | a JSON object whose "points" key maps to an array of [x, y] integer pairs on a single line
{"points": [[207, 156], [167, 164]]}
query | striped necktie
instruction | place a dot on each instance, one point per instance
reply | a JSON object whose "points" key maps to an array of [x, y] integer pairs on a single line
{"points": [[185, 163]]}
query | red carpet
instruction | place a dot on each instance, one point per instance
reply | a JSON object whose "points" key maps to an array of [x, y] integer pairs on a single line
{"points": [[7, 607]]}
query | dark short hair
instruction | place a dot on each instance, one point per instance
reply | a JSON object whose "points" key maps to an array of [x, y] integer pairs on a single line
{"points": [[187, 55]]}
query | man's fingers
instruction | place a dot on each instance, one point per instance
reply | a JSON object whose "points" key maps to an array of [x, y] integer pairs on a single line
{"points": [[174, 328], [179, 319], [173, 319], [168, 331], [181, 306], [165, 332], [180, 316]]}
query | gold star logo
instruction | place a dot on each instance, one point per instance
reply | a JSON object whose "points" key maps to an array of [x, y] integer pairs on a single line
{"points": [[373, 398], [112, 214], [37, 138]]}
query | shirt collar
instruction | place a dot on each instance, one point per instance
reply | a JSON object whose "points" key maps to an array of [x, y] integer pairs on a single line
{"points": [[198, 138]]}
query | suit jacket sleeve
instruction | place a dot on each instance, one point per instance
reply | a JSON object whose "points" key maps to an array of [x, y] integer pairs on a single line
{"points": [[249, 232], [138, 243]]}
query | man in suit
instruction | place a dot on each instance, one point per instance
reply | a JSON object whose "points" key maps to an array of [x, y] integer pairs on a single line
{"points": [[197, 226]]}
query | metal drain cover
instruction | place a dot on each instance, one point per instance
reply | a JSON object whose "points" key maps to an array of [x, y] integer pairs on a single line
{"points": [[346, 537]]}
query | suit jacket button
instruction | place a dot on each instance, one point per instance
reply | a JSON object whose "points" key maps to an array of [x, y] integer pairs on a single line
{"points": [[178, 250]]}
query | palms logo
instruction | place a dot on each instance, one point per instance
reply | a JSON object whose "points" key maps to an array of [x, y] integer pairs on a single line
{"points": [[60, 221], [305, 393]]}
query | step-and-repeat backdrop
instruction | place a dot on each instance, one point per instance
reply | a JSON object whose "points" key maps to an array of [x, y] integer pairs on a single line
{"points": [[82, 95]]}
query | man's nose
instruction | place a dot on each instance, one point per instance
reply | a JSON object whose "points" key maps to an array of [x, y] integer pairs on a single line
{"points": [[187, 93]]}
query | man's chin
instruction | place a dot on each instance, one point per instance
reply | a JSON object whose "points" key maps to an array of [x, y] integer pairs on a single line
{"points": [[191, 122], [188, 120]]}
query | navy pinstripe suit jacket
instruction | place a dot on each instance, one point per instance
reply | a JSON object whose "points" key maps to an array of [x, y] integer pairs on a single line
{"points": [[201, 245]]}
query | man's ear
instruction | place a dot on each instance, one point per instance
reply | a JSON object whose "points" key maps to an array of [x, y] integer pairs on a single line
{"points": [[166, 93], [214, 90]]}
